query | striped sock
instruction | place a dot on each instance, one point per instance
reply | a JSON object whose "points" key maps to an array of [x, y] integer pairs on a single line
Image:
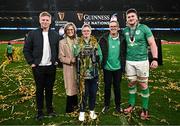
{"points": [[132, 95], [145, 98]]}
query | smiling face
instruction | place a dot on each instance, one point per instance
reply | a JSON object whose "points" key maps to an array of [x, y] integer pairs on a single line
{"points": [[86, 32], [45, 22], [70, 31], [132, 19], [114, 27]]}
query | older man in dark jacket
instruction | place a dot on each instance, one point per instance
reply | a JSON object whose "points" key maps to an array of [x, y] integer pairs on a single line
{"points": [[112, 57]]}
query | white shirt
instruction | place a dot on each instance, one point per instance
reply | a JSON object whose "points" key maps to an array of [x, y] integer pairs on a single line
{"points": [[46, 57]]}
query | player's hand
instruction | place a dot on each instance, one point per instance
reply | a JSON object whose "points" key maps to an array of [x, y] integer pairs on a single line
{"points": [[154, 64]]}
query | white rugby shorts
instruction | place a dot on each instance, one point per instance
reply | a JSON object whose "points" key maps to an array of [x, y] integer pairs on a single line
{"points": [[137, 69]]}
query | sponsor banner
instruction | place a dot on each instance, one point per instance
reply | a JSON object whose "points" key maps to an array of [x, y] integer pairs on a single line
{"points": [[97, 19], [94, 18]]}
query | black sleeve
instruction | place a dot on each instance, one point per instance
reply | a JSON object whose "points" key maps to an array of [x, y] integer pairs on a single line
{"points": [[57, 48], [28, 48], [123, 54]]}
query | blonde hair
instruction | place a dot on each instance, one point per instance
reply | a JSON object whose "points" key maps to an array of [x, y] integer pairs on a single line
{"points": [[86, 25], [45, 13], [67, 26], [115, 22]]}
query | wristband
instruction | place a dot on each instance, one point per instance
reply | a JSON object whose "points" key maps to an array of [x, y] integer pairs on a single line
{"points": [[156, 59]]}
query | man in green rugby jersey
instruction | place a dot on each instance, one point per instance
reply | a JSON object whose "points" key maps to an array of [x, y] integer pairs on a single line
{"points": [[138, 38]]}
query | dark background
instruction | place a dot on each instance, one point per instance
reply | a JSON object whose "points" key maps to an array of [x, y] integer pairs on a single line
{"points": [[90, 5], [154, 13]]}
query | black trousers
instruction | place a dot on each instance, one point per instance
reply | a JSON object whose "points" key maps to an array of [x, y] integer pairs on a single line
{"points": [[44, 78], [71, 103], [90, 92], [115, 78]]}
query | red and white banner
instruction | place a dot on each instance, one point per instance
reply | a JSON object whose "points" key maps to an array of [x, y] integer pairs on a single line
{"points": [[12, 42], [167, 42]]}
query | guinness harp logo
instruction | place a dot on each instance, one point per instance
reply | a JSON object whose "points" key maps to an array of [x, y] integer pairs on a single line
{"points": [[61, 15], [80, 16]]}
